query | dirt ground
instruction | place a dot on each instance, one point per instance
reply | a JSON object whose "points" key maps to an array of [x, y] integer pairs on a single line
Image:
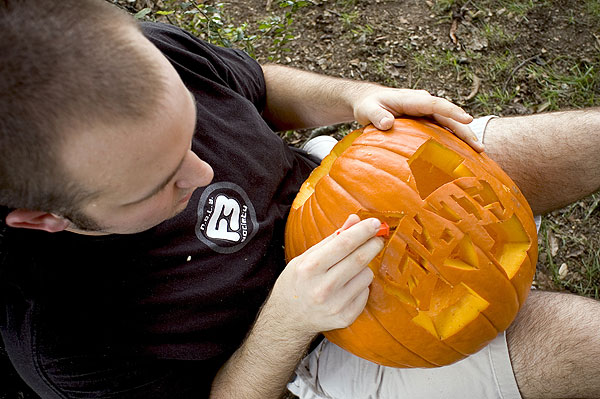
{"points": [[503, 57]]}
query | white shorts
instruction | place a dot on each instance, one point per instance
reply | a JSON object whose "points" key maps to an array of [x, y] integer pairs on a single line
{"points": [[330, 372]]}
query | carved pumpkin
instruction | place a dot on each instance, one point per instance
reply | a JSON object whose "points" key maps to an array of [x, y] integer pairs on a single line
{"points": [[460, 255]]}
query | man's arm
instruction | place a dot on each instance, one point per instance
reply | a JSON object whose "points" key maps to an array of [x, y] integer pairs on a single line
{"points": [[324, 288], [298, 99]]}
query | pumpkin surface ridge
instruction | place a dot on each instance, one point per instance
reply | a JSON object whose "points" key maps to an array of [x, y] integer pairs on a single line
{"points": [[314, 207], [490, 321], [315, 227], [374, 167], [433, 340], [405, 149], [498, 266], [391, 341], [380, 146], [328, 179], [347, 191], [309, 208], [371, 311], [359, 191], [305, 243], [327, 185], [372, 354], [332, 225]]}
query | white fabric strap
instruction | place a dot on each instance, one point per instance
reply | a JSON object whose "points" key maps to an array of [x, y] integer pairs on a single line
{"points": [[478, 126]]}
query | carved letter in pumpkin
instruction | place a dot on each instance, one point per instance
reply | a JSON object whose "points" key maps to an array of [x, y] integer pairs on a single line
{"points": [[460, 257]]}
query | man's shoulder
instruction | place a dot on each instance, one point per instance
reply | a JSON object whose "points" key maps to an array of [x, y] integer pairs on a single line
{"points": [[159, 28], [172, 40], [161, 32]]}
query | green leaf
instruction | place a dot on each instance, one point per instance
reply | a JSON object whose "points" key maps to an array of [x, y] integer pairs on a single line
{"points": [[165, 12], [142, 13]]}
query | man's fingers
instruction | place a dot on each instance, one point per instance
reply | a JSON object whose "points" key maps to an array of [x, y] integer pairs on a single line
{"points": [[462, 131], [355, 307], [350, 221], [356, 262], [339, 246], [423, 104], [373, 112]]}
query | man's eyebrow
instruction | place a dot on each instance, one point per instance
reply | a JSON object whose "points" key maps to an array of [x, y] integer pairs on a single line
{"points": [[158, 188], [162, 185], [195, 110]]}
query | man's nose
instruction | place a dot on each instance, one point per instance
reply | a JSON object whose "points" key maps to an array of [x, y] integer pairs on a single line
{"points": [[194, 172]]}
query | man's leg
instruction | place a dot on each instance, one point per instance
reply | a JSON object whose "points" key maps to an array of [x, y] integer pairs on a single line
{"points": [[554, 346], [554, 157]]}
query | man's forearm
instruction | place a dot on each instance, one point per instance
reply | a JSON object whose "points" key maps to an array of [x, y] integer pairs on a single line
{"points": [[262, 366], [298, 99]]}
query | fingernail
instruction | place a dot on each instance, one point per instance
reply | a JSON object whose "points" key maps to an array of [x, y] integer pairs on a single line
{"points": [[375, 223], [385, 121]]}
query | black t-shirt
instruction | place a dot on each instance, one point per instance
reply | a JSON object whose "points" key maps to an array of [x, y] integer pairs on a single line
{"points": [[128, 309]]}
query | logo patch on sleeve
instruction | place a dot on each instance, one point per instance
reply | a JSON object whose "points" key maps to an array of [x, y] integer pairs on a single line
{"points": [[226, 218]]}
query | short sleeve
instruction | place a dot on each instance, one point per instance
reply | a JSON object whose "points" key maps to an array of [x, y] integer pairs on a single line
{"points": [[196, 60]]}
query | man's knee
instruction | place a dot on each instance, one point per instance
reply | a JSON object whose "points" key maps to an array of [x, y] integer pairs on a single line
{"points": [[554, 346]]}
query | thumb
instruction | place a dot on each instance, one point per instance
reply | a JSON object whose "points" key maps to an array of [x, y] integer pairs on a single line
{"points": [[377, 115]]}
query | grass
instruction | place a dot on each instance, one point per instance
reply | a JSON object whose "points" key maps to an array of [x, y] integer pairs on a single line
{"points": [[581, 277], [516, 7], [497, 34], [593, 8], [579, 84], [534, 81], [348, 18], [588, 283]]}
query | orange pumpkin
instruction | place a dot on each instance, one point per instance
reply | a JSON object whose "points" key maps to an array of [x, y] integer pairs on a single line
{"points": [[460, 256]]}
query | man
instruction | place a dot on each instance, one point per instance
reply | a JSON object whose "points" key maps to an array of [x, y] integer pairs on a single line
{"points": [[150, 287]]}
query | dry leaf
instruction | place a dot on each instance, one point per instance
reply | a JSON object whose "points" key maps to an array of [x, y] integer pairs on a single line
{"points": [[474, 88], [453, 32], [562, 271], [553, 243]]}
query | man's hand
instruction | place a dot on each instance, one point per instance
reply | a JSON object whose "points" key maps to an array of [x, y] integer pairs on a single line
{"points": [[327, 286], [381, 104], [324, 288], [299, 99]]}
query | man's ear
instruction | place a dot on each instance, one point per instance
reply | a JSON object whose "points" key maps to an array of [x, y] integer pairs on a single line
{"points": [[36, 220]]}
